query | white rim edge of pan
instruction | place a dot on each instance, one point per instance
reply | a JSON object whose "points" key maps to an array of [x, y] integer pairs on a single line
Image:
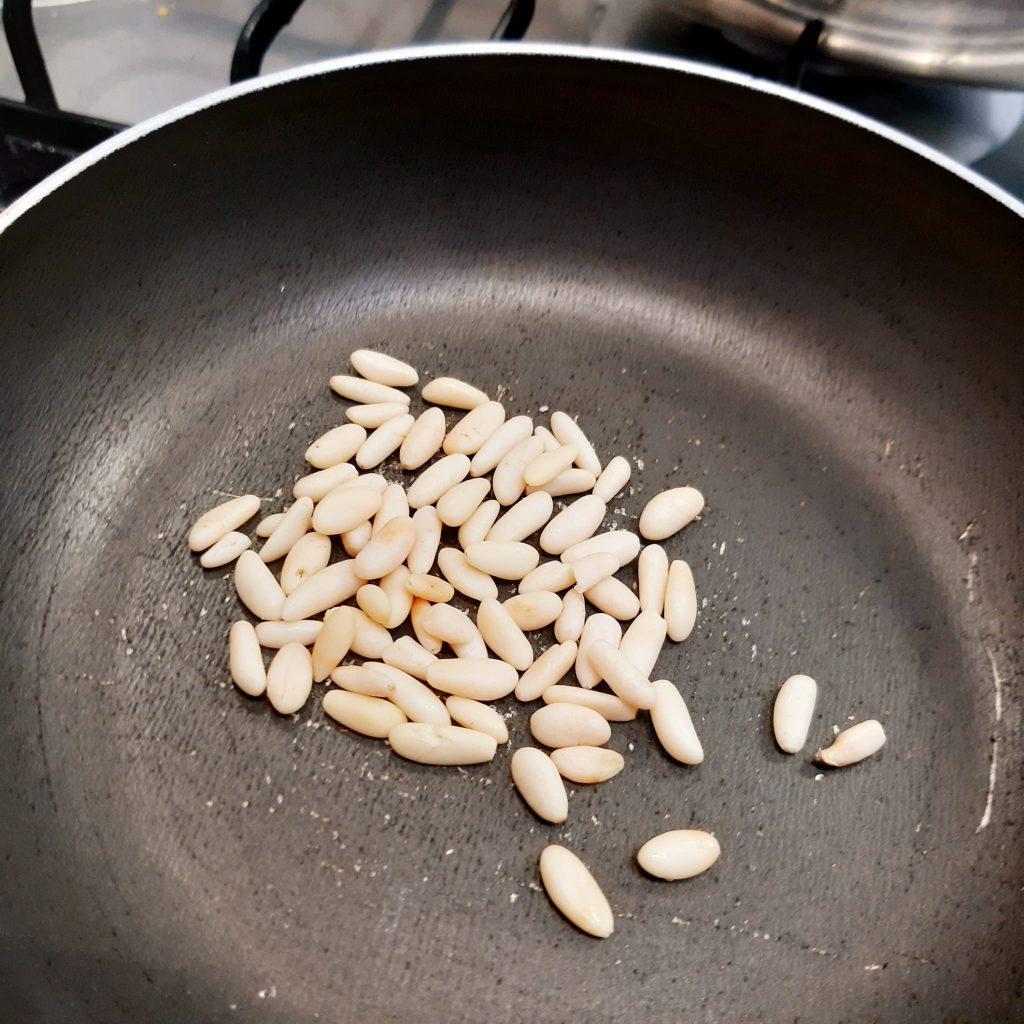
{"points": [[75, 167]]}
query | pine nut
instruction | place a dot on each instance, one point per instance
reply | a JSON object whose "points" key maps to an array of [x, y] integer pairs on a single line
{"points": [[436, 480], [406, 654], [642, 642], [680, 601], [625, 680], [524, 518], [469, 434], [534, 610], [337, 445], [449, 624], [652, 578], [535, 776], [418, 702], [384, 441], [372, 600], [366, 392], [462, 501], [430, 588], [277, 634], [613, 479], [318, 485], [428, 537], [465, 578], [587, 765], [614, 598], [595, 628], [308, 555], [623, 544], [569, 624], [427, 640], [575, 523], [568, 432], [226, 550], [364, 679], [793, 711], [569, 481], [393, 505], [384, 369], [370, 716], [506, 559], [266, 525], [507, 482], [257, 588], [673, 725], [607, 705], [546, 671], [333, 642], [478, 678], [546, 466], [574, 892], [503, 636], [387, 551], [315, 594], [471, 714], [474, 648], [289, 679], [423, 441], [222, 520], [289, 531], [479, 523], [369, 639], [682, 853], [345, 508], [591, 569], [500, 443], [668, 512], [353, 541], [245, 659], [456, 394], [853, 744], [548, 576], [375, 414], [399, 597], [441, 744], [549, 439], [569, 725]]}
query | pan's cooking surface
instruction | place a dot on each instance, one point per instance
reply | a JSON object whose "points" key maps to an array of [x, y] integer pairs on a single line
{"points": [[817, 328]]}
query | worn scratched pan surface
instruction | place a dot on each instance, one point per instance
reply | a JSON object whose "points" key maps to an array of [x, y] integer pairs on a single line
{"points": [[818, 326]]}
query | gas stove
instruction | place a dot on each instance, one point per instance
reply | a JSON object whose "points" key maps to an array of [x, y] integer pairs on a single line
{"points": [[75, 72]]}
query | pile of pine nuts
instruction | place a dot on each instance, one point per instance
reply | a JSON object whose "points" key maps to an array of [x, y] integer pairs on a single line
{"points": [[492, 487]]}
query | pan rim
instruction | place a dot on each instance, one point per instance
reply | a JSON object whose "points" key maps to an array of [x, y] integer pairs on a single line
{"points": [[21, 206]]}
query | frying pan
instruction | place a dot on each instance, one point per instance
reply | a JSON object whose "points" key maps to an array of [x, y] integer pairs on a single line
{"points": [[816, 322]]}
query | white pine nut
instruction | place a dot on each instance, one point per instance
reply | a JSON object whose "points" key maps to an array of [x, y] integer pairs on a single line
{"points": [[289, 531], [652, 578], [680, 601], [613, 479], [479, 523], [266, 525], [853, 744], [668, 512], [525, 517], [245, 659], [546, 671], [549, 439], [574, 892], [673, 725], [289, 679], [535, 776], [424, 440], [441, 744], [456, 394], [506, 559], [337, 445], [587, 765], [503, 636], [455, 507], [365, 679], [345, 508], [575, 523], [370, 716], [793, 711], [317, 485], [595, 628], [277, 634], [369, 639], [478, 678], [384, 369], [399, 596], [643, 640], [384, 441], [546, 466], [549, 576], [375, 414], [333, 584], [333, 642], [436, 480], [427, 640], [430, 588], [569, 725], [535, 610], [470, 433], [353, 541], [406, 654], [624, 678], [473, 648], [508, 483], [682, 853], [393, 505], [308, 555], [414, 698], [623, 544], [464, 577], [387, 550], [569, 624], [568, 432], [607, 705], [227, 549], [471, 714], [500, 443], [366, 392], [222, 520], [257, 588], [452, 625], [372, 600], [428, 536], [591, 569], [614, 598], [570, 481]]}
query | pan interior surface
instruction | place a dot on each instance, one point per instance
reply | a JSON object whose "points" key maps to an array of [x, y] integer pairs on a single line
{"points": [[732, 291]]}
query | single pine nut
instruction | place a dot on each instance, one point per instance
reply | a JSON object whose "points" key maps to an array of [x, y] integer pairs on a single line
{"points": [[508, 483], [575, 523], [393, 505], [418, 702], [597, 627], [353, 541], [623, 544], [257, 588], [365, 679], [479, 523], [427, 640], [607, 705], [277, 634], [574, 892], [613, 479], [441, 744], [478, 678], [503, 636], [337, 445], [470, 433], [587, 765], [535, 776], [289, 679], [375, 414], [794, 709], [366, 392], [227, 549], [549, 576], [369, 639], [652, 578], [383, 369], [568, 432], [449, 624], [333, 642], [308, 555], [670, 511], [465, 578], [222, 520], [673, 725], [473, 648], [680, 601], [345, 508], [245, 659], [317, 485], [624, 678], [384, 441], [534, 610], [315, 594], [406, 654], [682, 853], [289, 531], [428, 536], [423, 441], [436, 480], [456, 394], [500, 443], [569, 624], [570, 481], [506, 559], [591, 569], [430, 588], [546, 671], [462, 501], [642, 642], [388, 550], [853, 744], [525, 517], [569, 725], [370, 716], [614, 598], [265, 527], [473, 715], [546, 466], [399, 596], [374, 602], [549, 439]]}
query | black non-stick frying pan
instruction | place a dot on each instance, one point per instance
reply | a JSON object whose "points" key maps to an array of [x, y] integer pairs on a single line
{"points": [[815, 324]]}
